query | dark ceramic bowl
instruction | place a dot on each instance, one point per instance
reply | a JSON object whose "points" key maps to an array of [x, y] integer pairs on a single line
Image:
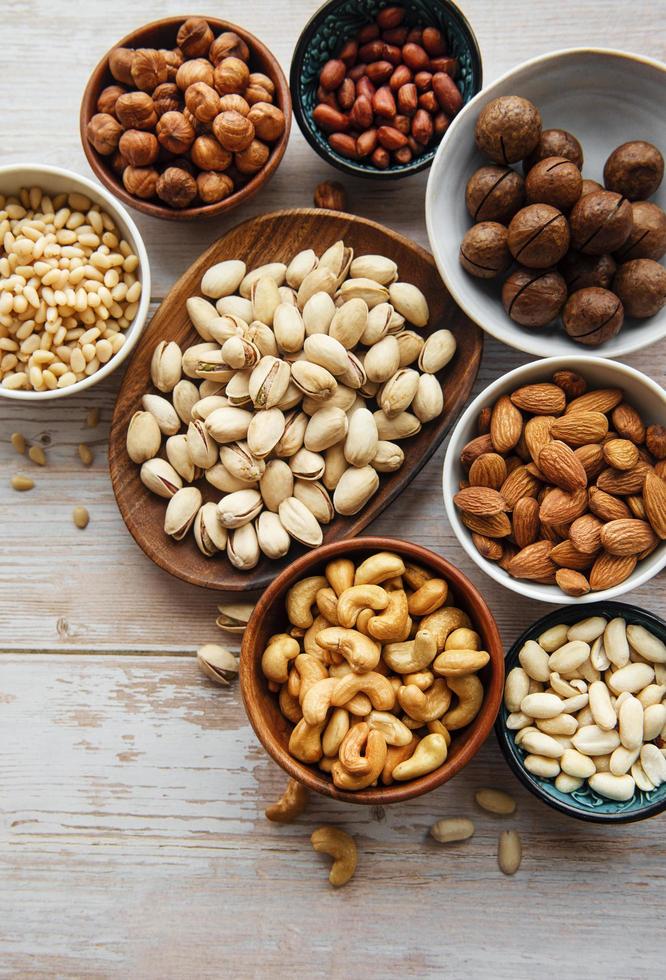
{"points": [[583, 804], [337, 22]]}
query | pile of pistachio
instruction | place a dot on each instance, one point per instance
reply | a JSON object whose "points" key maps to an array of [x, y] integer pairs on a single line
{"points": [[307, 377]]}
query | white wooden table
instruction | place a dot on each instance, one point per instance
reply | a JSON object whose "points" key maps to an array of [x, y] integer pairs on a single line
{"points": [[132, 791]]}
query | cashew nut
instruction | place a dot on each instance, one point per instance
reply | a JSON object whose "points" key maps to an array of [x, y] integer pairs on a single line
{"points": [[455, 663], [289, 705], [301, 598], [391, 584], [360, 652], [378, 568], [359, 705], [305, 742], [463, 639], [364, 618], [395, 755], [394, 623], [391, 727], [412, 655], [429, 597], [310, 671], [357, 598], [470, 698], [438, 728], [427, 705], [351, 750], [290, 805], [375, 752], [376, 686], [327, 604], [310, 644], [294, 683], [280, 650], [341, 847], [335, 731], [340, 574], [429, 755], [317, 700], [326, 763], [415, 576], [422, 678], [443, 622]]}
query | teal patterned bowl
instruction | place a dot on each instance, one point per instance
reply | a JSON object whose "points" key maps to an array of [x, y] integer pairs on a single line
{"points": [[338, 21], [583, 804]]}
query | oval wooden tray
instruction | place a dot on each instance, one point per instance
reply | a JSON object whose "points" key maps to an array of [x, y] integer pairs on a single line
{"points": [[277, 237]]}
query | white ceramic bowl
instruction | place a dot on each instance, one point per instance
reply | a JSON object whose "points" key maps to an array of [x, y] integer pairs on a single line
{"points": [[604, 98], [640, 391], [56, 180]]}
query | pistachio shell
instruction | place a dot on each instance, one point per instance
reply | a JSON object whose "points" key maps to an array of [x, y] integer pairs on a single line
{"points": [[211, 366], [320, 280], [362, 438], [178, 454], [144, 437], [379, 320], [335, 465], [208, 388], [223, 279], [313, 380], [349, 322], [437, 351], [325, 428], [217, 663], [306, 465], [209, 533], [181, 511], [239, 507], [375, 267], [265, 431], [382, 360], [300, 522], [326, 351], [184, 396], [401, 427], [273, 539], [366, 289], [287, 295], [237, 306], [219, 477], [292, 396], [265, 299], [262, 337], [355, 376], [398, 393], [201, 313], [294, 434], [225, 327], [342, 397], [166, 365], [299, 267], [338, 259], [228, 424], [354, 489], [410, 345], [315, 497], [276, 484], [240, 354], [192, 356], [237, 391], [243, 547], [269, 381], [388, 458], [318, 313], [202, 448], [206, 406], [240, 462], [234, 616], [288, 328], [160, 477], [272, 270], [408, 300], [428, 402], [164, 413]]}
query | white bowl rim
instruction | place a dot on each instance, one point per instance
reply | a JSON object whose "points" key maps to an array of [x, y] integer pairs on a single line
{"points": [[139, 322], [646, 570], [495, 330]]}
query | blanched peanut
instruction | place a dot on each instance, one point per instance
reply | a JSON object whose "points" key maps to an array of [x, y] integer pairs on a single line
{"points": [[452, 829]]}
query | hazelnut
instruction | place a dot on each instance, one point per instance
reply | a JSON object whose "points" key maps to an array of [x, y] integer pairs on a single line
{"points": [[167, 98], [118, 163], [253, 158], [641, 285], [556, 181], [256, 93], [213, 187], [104, 132], [484, 252], [231, 76], [120, 65], [233, 131], [330, 194], [194, 37], [592, 315], [140, 181], [174, 59], [655, 439], [589, 187], [136, 110], [234, 103], [259, 80], [228, 45], [634, 170], [538, 236], [149, 69], [648, 235], [176, 187], [202, 101], [508, 129], [175, 133], [533, 297], [268, 121], [600, 222], [106, 101], [139, 148], [580, 270], [555, 143], [197, 70], [207, 154], [494, 194]]}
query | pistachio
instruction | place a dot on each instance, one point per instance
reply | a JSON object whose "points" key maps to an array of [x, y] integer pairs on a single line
{"points": [[428, 402], [366, 289], [379, 321], [202, 448], [398, 393], [209, 533], [294, 433], [234, 616], [276, 484], [219, 477], [192, 357], [163, 412], [184, 396], [228, 424], [335, 465], [356, 486], [265, 299], [265, 431], [355, 376], [239, 508], [349, 322], [315, 497], [272, 270], [410, 345], [273, 539], [178, 454], [234, 306], [292, 396], [208, 388], [342, 397], [401, 427], [327, 352], [201, 313], [269, 382], [240, 353], [243, 547], [382, 360], [300, 522], [388, 458], [299, 267], [226, 327], [306, 465], [223, 279], [206, 406], [320, 280], [166, 365], [288, 328], [160, 477], [437, 351], [409, 301], [361, 442], [240, 462], [144, 437], [237, 392], [313, 379], [338, 259], [326, 427], [318, 313], [213, 367], [287, 295], [262, 337], [375, 267], [217, 663], [181, 511]]}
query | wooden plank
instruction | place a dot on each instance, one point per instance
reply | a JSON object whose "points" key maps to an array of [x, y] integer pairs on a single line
{"points": [[133, 843]]}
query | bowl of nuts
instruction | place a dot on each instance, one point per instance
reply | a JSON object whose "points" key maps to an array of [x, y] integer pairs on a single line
{"points": [[555, 479], [375, 87], [583, 723], [75, 283], [372, 670], [545, 205], [186, 118]]}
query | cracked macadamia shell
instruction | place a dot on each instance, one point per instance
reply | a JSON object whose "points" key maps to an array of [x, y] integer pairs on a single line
{"points": [[484, 252], [555, 143], [555, 181], [508, 129], [592, 316], [648, 235], [533, 297], [641, 285], [634, 169], [538, 236], [494, 194], [600, 222], [581, 271]]}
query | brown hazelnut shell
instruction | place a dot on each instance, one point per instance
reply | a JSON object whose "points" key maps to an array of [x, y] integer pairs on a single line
{"points": [[175, 133], [108, 97], [555, 143], [104, 132], [555, 181], [207, 154], [484, 252], [634, 169], [600, 222], [139, 148], [176, 187], [213, 187], [136, 110], [194, 37], [508, 129], [228, 45], [494, 194], [149, 69], [140, 181], [641, 285], [533, 297], [592, 315], [538, 236], [648, 234]]}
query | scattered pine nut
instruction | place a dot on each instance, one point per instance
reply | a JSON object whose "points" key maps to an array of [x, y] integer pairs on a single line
{"points": [[452, 829], [18, 442], [85, 454], [495, 801], [92, 418], [81, 517], [37, 455], [21, 482], [509, 852]]}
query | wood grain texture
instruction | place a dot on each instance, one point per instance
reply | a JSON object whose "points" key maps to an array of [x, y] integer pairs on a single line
{"points": [[132, 835], [279, 237]]}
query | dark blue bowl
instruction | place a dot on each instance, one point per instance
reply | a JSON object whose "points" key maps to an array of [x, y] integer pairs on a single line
{"points": [[583, 803], [337, 22]]}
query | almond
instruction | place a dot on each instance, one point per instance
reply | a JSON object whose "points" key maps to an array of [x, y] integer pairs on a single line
{"points": [[571, 383], [660, 469], [509, 551], [482, 501], [592, 458], [483, 421], [525, 521], [488, 470], [636, 505], [610, 570], [482, 444], [519, 483], [534, 563], [534, 471], [540, 399], [537, 434], [654, 499], [585, 534], [656, 440], [580, 428], [621, 454], [571, 582], [628, 423], [555, 533], [487, 547], [567, 556], [497, 526], [627, 537], [560, 507], [607, 507], [506, 425], [602, 400], [561, 467], [623, 483]]}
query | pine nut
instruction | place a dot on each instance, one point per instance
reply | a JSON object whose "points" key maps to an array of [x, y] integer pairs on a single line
{"points": [[509, 852], [452, 829], [85, 454], [37, 455], [81, 517], [92, 418], [18, 442], [20, 482]]}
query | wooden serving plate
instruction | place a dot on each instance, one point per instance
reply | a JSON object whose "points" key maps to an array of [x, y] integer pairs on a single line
{"points": [[277, 237]]}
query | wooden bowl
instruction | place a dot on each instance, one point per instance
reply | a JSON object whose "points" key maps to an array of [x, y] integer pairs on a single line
{"points": [[277, 237], [162, 34], [273, 729]]}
